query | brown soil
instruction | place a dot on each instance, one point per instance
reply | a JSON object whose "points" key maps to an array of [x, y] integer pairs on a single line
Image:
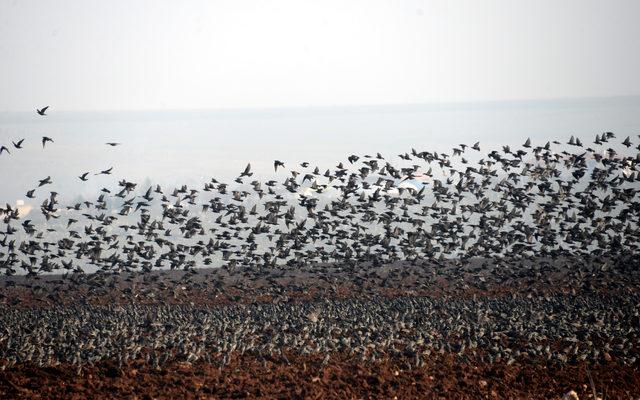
{"points": [[442, 376]]}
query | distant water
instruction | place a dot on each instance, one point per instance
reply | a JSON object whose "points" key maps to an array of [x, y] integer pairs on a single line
{"points": [[191, 147]]}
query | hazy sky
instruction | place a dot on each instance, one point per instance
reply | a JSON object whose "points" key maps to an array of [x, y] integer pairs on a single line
{"points": [[120, 55]]}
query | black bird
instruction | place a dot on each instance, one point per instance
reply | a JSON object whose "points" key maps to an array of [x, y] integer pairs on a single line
{"points": [[113, 144], [45, 181], [277, 164], [83, 177], [42, 111], [247, 171], [4, 148], [19, 144], [105, 172], [46, 139], [30, 193]]}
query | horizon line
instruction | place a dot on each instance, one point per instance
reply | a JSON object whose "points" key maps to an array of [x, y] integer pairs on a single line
{"points": [[445, 104]]}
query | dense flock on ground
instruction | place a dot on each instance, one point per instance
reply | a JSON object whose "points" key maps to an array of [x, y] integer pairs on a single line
{"points": [[556, 329]]}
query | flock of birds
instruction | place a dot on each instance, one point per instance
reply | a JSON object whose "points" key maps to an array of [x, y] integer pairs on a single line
{"points": [[558, 329], [534, 200], [527, 204]]}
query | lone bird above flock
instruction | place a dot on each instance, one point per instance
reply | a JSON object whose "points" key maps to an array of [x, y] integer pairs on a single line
{"points": [[46, 139], [42, 110]]}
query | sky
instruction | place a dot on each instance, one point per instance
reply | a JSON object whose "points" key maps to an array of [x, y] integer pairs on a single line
{"points": [[155, 55]]}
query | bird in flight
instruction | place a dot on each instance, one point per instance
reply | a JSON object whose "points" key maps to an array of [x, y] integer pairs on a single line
{"points": [[247, 171], [277, 163], [105, 172], [46, 139], [45, 181], [113, 144], [19, 144], [4, 148], [42, 111], [83, 177]]}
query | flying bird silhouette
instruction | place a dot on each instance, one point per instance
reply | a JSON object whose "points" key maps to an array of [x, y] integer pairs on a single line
{"points": [[42, 111], [45, 181], [83, 177], [247, 171], [105, 172], [46, 139], [19, 144], [4, 148], [113, 144]]}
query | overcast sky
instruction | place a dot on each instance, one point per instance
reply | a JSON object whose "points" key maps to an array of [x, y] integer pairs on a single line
{"points": [[124, 55]]}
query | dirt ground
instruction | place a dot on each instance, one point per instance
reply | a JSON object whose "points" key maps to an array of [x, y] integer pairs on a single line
{"points": [[443, 376], [298, 376]]}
